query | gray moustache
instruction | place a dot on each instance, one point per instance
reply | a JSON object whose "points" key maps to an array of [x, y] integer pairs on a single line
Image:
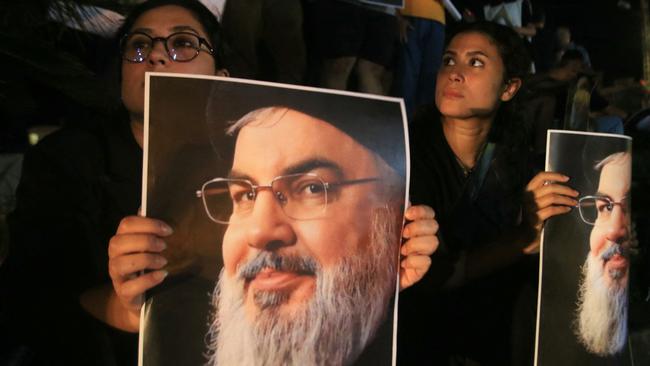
{"points": [[284, 263], [614, 249]]}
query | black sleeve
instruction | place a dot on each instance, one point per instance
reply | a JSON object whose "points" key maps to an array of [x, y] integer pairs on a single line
{"points": [[53, 254]]}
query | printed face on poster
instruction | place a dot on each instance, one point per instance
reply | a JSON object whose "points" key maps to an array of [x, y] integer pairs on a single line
{"points": [[585, 266], [287, 206]]}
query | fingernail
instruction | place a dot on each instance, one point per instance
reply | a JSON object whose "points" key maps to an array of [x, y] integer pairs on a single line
{"points": [[405, 233], [160, 275], [166, 229], [161, 245], [162, 261]]}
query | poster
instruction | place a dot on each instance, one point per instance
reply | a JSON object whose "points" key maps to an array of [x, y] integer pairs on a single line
{"points": [[585, 254], [287, 206]]}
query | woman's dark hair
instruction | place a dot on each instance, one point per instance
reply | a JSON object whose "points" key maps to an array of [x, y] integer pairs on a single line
{"points": [[204, 16], [509, 127]]}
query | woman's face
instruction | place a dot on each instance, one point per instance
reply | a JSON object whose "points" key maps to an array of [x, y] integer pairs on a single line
{"points": [[161, 22], [470, 81]]}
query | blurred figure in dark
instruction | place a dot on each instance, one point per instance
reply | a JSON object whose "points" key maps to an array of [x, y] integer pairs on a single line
{"points": [[565, 43], [355, 39], [422, 37], [264, 40], [546, 105]]}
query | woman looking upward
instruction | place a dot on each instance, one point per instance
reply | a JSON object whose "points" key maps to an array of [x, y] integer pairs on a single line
{"points": [[470, 163]]}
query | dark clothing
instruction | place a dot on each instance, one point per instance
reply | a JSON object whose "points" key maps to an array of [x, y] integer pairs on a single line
{"points": [[473, 319], [418, 63], [351, 30], [379, 351], [75, 187], [265, 40]]}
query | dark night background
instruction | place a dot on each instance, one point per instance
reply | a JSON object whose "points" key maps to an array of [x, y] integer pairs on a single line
{"points": [[49, 71]]}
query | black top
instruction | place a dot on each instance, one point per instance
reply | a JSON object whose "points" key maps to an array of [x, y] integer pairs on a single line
{"points": [[75, 187], [473, 320]]}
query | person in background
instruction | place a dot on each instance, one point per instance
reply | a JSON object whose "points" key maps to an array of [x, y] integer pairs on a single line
{"points": [[546, 102], [516, 14], [422, 37], [565, 43], [264, 40], [75, 187], [469, 159], [355, 39]]}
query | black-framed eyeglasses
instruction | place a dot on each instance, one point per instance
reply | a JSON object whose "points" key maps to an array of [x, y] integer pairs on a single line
{"points": [[180, 46], [302, 196], [598, 208]]}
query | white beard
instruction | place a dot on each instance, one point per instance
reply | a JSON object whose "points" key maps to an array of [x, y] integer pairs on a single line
{"points": [[332, 328], [602, 311]]}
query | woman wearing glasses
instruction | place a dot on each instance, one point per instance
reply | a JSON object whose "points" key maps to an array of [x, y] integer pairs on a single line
{"points": [[469, 162], [77, 185]]}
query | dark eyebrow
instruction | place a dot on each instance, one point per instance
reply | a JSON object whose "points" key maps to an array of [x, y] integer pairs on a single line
{"points": [[184, 28], [470, 53], [477, 53], [304, 166], [312, 164], [601, 194]]}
